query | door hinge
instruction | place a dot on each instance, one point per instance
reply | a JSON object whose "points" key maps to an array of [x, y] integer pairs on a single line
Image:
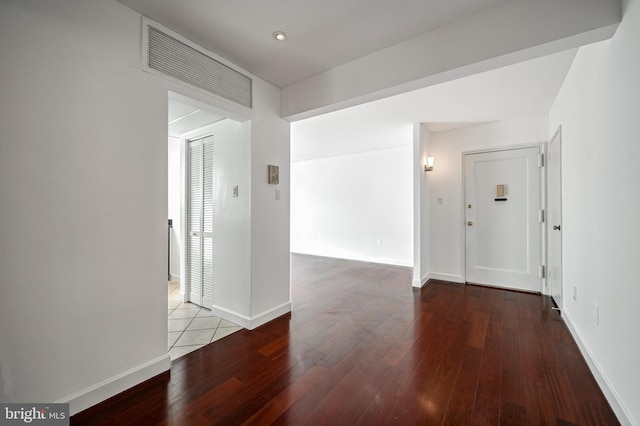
{"points": [[541, 216], [541, 160], [542, 272]]}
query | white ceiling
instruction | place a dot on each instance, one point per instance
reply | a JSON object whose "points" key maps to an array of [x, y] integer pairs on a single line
{"points": [[519, 90], [184, 118], [322, 34], [325, 34]]}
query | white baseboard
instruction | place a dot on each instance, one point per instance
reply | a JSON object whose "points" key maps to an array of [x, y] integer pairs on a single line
{"points": [[385, 261], [445, 277], [421, 282], [231, 316], [251, 322], [621, 411], [369, 259], [436, 276], [99, 392], [269, 315]]}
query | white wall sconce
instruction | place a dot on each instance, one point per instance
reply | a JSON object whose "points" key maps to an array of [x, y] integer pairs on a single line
{"points": [[428, 165]]}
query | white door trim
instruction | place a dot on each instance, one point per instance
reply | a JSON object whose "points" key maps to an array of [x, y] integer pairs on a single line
{"points": [[549, 224], [462, 226]]}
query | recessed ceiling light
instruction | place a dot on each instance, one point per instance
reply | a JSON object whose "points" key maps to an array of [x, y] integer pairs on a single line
{"points": [[280, 35]]}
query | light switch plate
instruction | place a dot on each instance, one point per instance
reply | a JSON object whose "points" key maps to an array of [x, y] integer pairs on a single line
{"points": [[274, 174]]}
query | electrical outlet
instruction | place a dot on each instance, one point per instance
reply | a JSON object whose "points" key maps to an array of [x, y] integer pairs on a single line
{"points": [[278, 196], [235, 190], [379, 243]]}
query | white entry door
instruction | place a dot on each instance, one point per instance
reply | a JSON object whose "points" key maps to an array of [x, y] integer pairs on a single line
{"points": [[503, 230], [200, 221], [554, 223]]}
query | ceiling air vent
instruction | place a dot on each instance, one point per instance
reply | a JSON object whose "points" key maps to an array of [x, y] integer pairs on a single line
{"points": [[173, 57]]}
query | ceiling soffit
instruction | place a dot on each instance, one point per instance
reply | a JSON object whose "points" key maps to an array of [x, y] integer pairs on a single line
{"points": [[341, 54], [505, 35]]}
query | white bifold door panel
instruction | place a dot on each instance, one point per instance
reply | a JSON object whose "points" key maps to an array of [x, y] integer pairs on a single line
{"points": [[200, 221], [502, 218], [554, 222]]}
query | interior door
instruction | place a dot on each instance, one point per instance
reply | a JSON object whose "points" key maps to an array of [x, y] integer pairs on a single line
{"points": [[554, 222], [503, 229], [200, 221]]}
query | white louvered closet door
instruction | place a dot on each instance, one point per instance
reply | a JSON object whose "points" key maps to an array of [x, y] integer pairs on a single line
{"points": [[200, 221], [207, 223]]}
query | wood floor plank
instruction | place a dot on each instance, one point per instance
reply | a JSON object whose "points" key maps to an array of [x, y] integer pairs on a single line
{"points": [[487, 406], [281, 403], [462, 402], [193, 412], [362, 347]]}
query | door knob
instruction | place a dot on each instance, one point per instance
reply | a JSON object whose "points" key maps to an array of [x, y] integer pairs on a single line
{"points": [[556, 227], [469, 223]]}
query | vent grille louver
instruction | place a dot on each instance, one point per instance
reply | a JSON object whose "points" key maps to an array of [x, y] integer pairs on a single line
{"points": [[179, 60]]}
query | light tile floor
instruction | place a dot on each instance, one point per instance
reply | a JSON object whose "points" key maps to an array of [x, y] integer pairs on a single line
{"points": [[192, 327]]}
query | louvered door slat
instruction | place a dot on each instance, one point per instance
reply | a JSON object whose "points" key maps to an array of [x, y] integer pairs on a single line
{"points": [[194, 220], [207, 160], [200, 221], [207, 221]]}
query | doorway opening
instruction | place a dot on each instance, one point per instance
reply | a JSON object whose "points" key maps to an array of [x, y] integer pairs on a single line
{"points": [[192, 323]]}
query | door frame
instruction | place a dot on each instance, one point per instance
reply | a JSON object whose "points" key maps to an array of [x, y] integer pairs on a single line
{"points": [[543, 197], [549, 225]]}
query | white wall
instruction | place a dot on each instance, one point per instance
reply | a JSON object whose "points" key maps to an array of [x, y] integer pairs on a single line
{"points": [[83, 203], [232, 218], [599, 108], [341, 206], [84, 200], [270, 144], [421, 209], [174, 200], [446, 244]]}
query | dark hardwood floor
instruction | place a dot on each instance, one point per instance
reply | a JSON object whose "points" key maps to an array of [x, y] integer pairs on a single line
{"points": [[361, 347]]}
